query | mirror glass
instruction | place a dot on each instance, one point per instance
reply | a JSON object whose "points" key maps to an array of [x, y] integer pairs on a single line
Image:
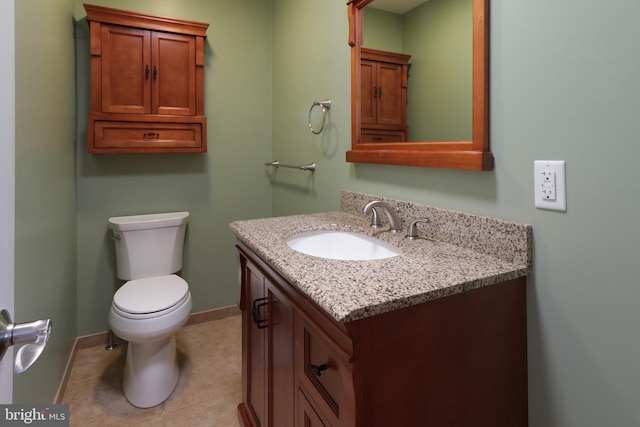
{"points": [[420, 83], [437, 34]]}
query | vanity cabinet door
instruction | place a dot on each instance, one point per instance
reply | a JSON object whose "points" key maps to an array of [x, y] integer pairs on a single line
{"points": [[268, 351], [254, 345]]}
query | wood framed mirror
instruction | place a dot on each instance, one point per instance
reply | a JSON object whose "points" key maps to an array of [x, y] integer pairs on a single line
{"points": [[390, 144]]}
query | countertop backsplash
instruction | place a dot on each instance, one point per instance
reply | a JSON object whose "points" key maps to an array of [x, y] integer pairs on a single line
{"points": [[507, 240]]}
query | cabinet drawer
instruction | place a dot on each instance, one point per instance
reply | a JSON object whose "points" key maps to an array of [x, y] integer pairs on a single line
{"points": [[307, 415], [319, 368], [147, 135], [376, 135]]}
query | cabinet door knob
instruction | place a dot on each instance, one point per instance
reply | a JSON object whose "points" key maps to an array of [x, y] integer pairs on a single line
{"points": [[155, 72], [317, 369], [146, 72]]}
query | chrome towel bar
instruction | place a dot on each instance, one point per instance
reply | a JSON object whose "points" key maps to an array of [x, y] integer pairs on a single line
{"points": [[276, 164]]}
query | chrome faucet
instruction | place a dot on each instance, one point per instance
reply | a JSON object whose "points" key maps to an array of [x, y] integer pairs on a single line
{"points": [[392, 216]]}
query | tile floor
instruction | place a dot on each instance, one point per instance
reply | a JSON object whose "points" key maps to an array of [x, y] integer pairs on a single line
{"points": [[207, 394]]}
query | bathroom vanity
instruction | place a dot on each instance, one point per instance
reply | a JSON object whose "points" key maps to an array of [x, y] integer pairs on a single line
{"points": [[435, 336]]}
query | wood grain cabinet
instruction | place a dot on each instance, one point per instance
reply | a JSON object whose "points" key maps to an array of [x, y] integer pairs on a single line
{"points": [[147, 83], [454, 361], [383, 102]]}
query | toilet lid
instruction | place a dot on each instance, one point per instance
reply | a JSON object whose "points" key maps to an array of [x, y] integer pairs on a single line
{"points": [[151, 294]]}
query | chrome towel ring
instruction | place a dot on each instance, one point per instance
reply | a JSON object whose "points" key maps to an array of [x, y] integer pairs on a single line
{"points": [[326, 105]]}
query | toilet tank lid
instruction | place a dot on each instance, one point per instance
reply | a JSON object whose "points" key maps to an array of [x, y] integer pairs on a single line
{"points": [[144, 222]]}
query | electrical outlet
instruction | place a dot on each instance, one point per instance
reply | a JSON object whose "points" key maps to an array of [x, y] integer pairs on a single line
{"points": [[550, 186]]}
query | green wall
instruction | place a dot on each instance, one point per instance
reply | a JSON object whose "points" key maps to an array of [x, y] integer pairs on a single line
{"points": [[438, 36], [564, 86], [45, 205], [225, 184]]}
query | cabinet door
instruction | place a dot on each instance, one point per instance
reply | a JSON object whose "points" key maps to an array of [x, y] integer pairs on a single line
{"points": [[125, 70], [368, 90], [173, 74], [281, 387], [389, 97], [268, 353], [255, 341]]}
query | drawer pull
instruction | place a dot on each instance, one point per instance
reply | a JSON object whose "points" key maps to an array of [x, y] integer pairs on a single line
{"points": [[260, 322], [150, 135], [317, 369]]}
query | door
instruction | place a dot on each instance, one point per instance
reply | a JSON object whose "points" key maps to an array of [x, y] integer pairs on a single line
{"points": [[389, 99], [174, 74], [254, 345], [126, 70], [368, 91], [7, 181]]}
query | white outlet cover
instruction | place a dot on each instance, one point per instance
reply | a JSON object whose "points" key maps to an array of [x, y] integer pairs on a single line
{"points": [[555, 169]]}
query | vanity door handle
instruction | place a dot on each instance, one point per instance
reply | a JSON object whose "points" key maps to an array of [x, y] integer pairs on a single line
{"points": [[258, 303], [317, 369], [146, 72]]}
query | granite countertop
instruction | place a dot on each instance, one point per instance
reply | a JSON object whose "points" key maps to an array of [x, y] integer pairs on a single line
{"points": [[427, 269]]}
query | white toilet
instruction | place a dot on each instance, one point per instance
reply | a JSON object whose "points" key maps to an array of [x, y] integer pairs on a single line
{"points": [[154, 303]]}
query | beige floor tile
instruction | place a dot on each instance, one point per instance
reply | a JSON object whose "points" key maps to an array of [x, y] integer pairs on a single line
{"points": [[207, 392]]}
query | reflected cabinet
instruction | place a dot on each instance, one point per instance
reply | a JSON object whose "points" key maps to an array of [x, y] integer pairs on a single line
{"points": [[147, 83], [384, 95], [447, 122]]}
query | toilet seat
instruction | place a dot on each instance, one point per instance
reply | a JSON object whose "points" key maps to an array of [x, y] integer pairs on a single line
{"points": [[151, 296]]}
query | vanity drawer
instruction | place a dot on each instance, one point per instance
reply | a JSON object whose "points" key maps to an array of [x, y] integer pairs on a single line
{"points": [[307, 415], [320, 369]]}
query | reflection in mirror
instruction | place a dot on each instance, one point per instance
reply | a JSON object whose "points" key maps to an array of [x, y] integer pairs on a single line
{"points": [[437, 35], [419, 83]]}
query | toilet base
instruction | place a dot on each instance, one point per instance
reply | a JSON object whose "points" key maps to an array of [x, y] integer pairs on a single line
{"points": [[151, 372]]}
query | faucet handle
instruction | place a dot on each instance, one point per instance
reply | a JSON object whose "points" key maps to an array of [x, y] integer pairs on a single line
{"points": [[412, 231]]}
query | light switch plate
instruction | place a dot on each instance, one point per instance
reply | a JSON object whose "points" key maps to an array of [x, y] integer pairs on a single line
{"points": [[550, 185]]}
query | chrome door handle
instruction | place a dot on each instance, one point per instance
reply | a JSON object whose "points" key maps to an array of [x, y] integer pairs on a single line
{"points": [[33, 334]]}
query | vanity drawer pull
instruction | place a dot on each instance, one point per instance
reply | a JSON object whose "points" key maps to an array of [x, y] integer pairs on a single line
{"points": [[150, 135], [317, 369], [260, 322]]}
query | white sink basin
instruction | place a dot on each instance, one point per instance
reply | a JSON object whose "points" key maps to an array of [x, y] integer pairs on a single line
{"points": [[343, 245]]}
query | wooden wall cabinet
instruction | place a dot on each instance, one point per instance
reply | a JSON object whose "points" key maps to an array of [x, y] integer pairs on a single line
{"points": [[383, 102], [147, 83], [454, 361]]}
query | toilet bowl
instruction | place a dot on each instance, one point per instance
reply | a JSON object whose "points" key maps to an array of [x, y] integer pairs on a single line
{"points": [[151, 370], [152, 305]]}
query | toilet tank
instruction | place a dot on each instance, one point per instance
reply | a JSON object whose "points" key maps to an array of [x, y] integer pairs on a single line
{"points": [[148, 245]]}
